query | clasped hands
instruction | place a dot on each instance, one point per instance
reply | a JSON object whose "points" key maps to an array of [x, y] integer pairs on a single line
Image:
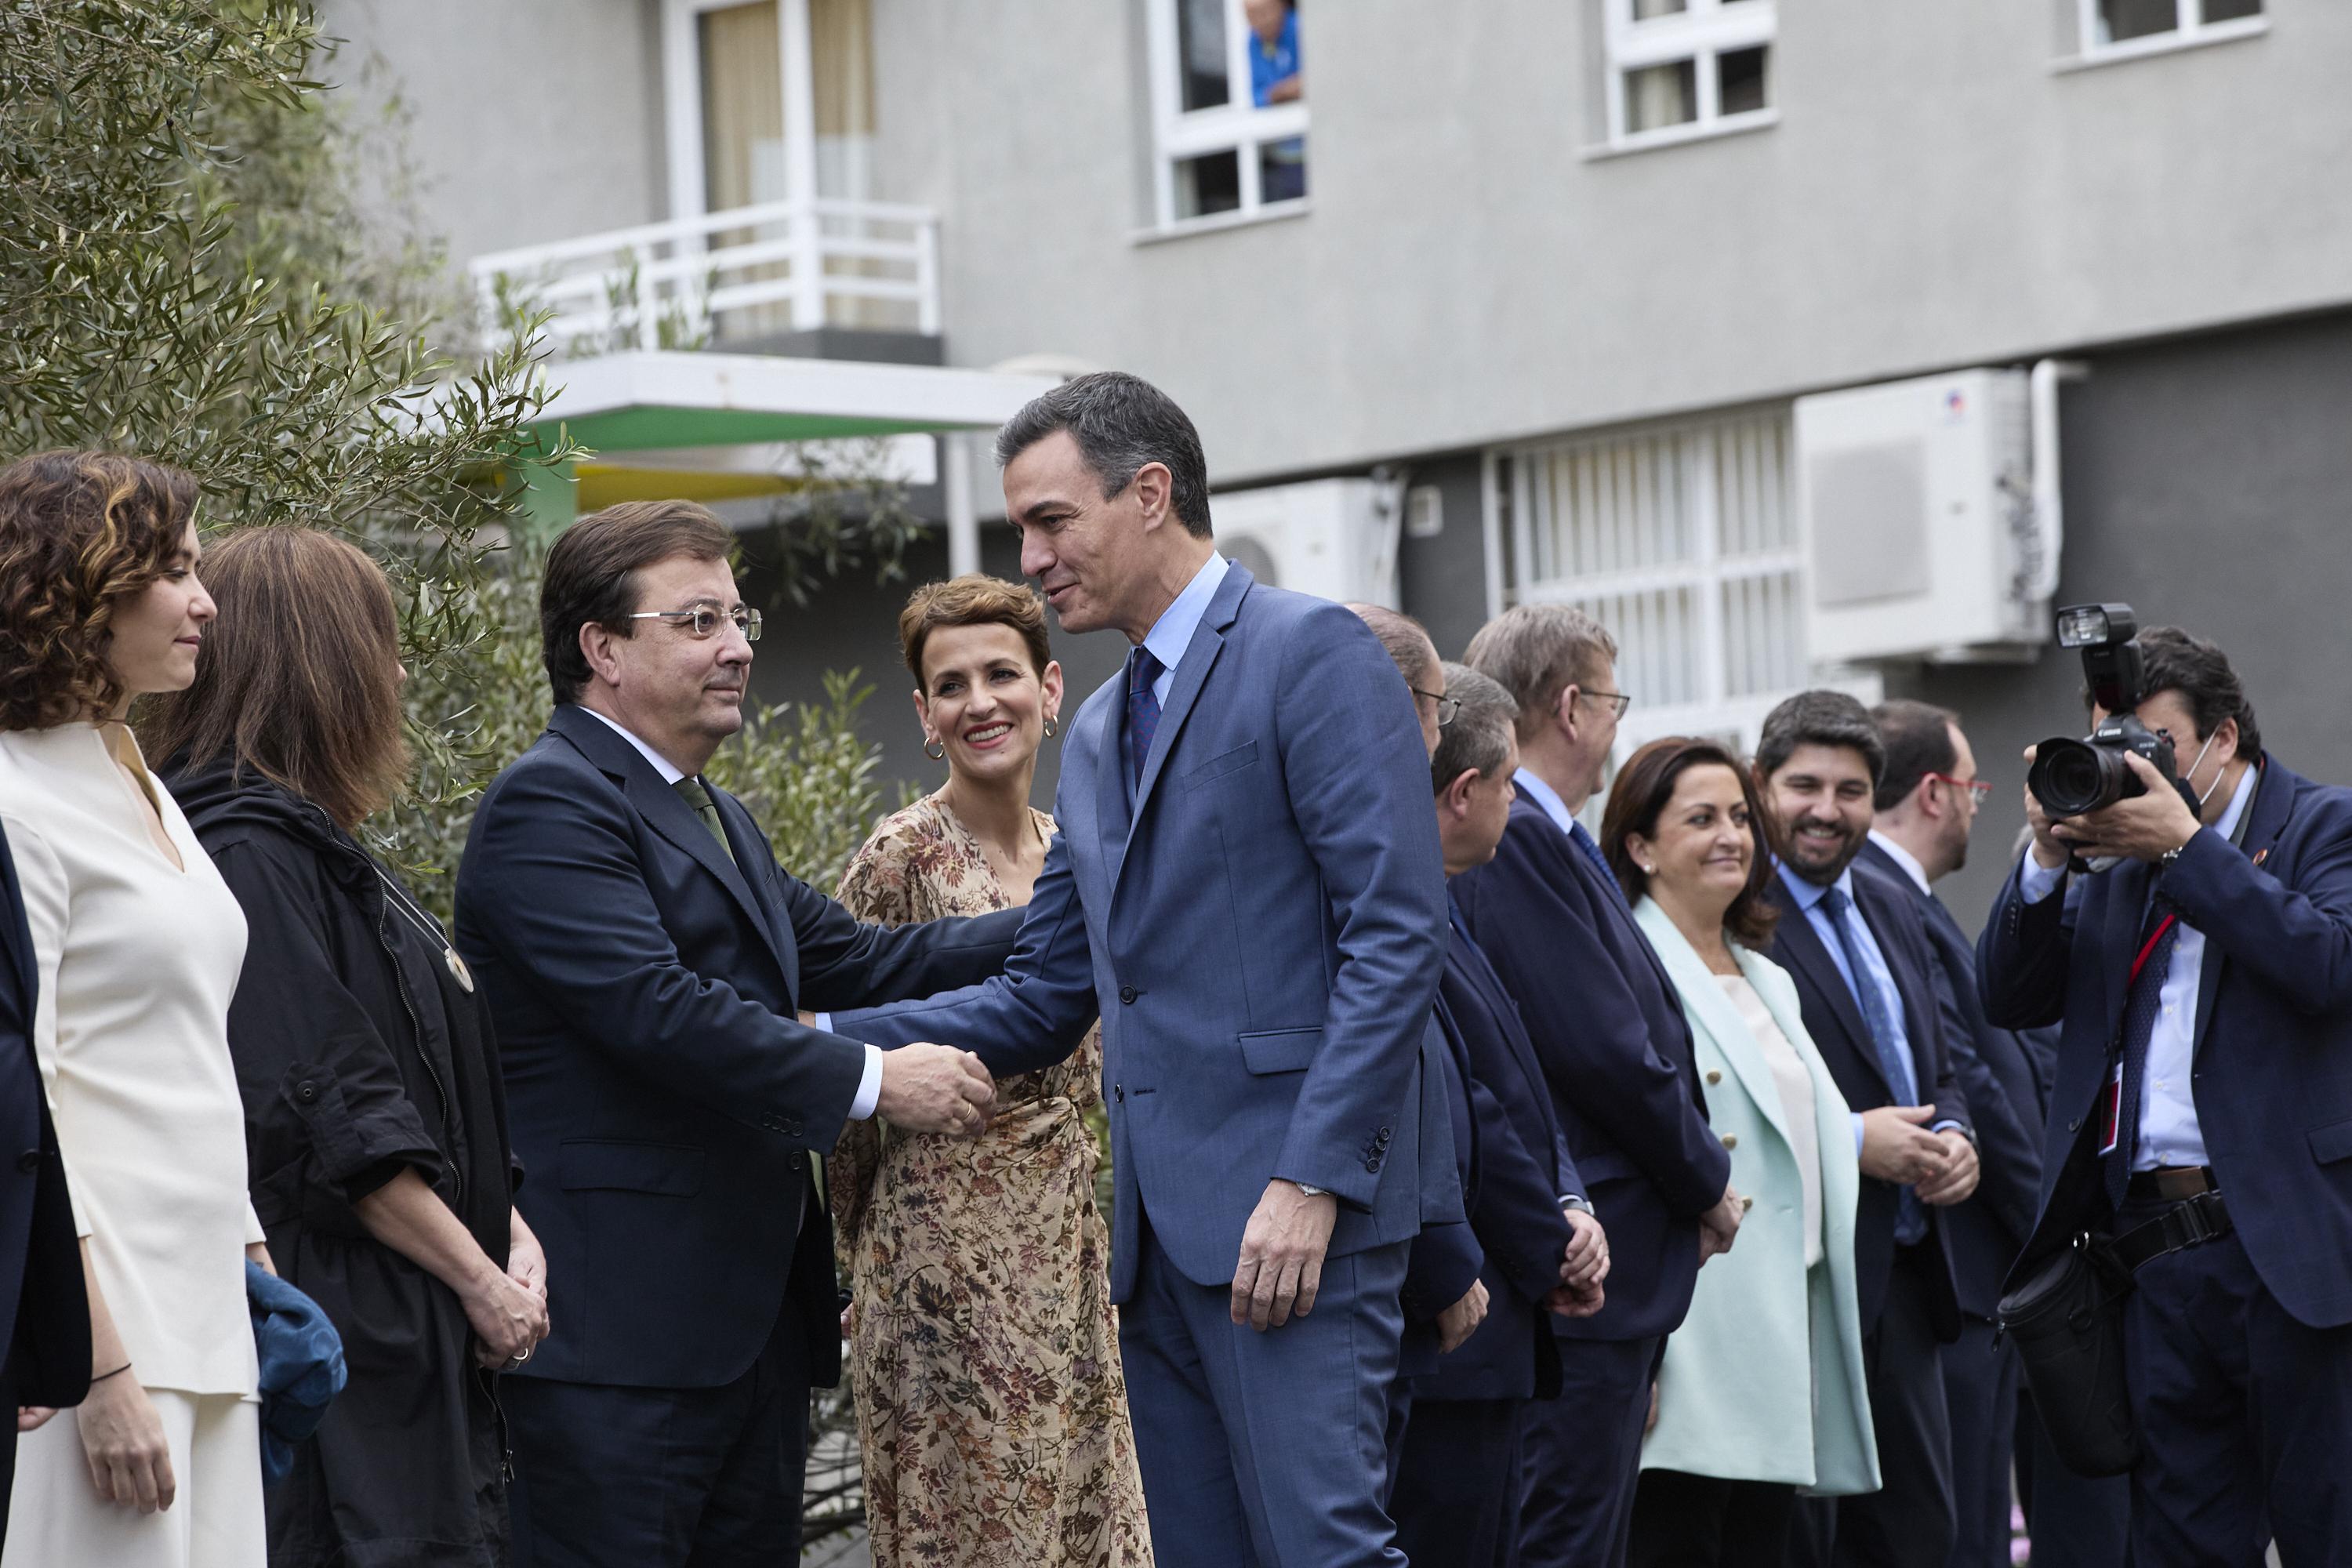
{"points": [[936, 1088], [1940, 1167]]}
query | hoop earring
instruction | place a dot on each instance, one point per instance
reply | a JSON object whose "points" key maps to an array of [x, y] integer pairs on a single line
{"points": [[1051, 730], [939, 756]]}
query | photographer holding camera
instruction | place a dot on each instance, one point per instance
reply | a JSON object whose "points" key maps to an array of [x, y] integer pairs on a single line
{"points": [[2193, 935]]}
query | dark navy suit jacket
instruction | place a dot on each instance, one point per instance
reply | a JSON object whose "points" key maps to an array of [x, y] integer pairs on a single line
{"points": [[1998, 1073], [43, 1309], [1608, 1029], [1835, 1020], [659, 1091], [1523, 1169], [2273, 1073]]}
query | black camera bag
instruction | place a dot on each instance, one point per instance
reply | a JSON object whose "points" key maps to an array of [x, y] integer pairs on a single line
{"points": [[2067, 1318]]}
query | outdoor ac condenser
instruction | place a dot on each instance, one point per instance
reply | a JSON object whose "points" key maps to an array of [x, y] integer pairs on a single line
{"points": [[1335, 539], [1922, 538]]}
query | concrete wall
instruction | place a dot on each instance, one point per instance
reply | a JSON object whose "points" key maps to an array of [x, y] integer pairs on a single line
{"points": [[2209, 483]]}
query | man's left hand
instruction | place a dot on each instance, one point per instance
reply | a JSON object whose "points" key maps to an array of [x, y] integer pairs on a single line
{"points": [[1959, 1177], [2144, 828], [1282, 1256], [1585, 1264]]}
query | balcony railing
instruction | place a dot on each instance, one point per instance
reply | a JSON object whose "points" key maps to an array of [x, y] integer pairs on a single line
{"points": [[725, 277]]}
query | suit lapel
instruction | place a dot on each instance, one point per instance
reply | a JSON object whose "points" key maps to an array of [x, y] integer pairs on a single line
{"points": [[1192, 674], [1921, 1017], [2273, 804], [1114, 811], [1801, 945], [2126, 890], [1702, 996]]}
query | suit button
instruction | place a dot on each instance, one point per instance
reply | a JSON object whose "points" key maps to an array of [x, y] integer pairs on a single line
{"points": [[1714, 1077], [306, 1091], [1382, 1137], [1127, 994], [1731, 1140], [1373, 1163], [1119, 1092], [793, 1127], [29, 1161]]}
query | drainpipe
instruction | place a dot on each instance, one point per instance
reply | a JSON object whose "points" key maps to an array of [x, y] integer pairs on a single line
{"points": [[2049, 509], [964, 521]]}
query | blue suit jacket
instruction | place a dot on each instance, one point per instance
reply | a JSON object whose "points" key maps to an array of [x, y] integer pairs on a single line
{"points": [[43, 1309], [2273, 1077], [1261, 933], [1513, 1196], [1997, 1073], [1835, 1020], [1615, 1052], [658, 1089]]}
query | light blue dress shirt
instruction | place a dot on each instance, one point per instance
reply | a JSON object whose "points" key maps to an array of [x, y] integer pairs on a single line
{"points": [[2168, 1134], [1543, 795], [1172, 633], [1808, 896]]}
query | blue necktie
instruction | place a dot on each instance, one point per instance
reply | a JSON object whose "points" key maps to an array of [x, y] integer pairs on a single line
{"points": [[2141, 1005], [1910, 1217], [1143, 712], [1584, 841]]}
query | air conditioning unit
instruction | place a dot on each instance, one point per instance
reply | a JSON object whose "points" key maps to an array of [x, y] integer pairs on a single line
{"points": [[1920, 524], [1335, 539]]}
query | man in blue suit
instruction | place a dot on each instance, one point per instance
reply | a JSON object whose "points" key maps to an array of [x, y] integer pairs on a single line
{"points": [[44, 1309], [1247, 890], [1457, 1490], [1867, 981], [1616, 1055], [2204, 986], [1926, 802], [643, 957]]}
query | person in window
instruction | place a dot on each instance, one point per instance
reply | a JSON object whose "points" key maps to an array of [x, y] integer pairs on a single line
{"points": [[374, 1116], [1762, 1389], [992, 1407], [1276, 76], [137, 943]]}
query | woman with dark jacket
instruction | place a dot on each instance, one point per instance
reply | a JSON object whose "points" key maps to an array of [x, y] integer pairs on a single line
{"points": [[376, 1118]]}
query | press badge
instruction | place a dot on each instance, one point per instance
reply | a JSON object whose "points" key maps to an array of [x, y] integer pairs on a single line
{"points": [[2111, 1106]]}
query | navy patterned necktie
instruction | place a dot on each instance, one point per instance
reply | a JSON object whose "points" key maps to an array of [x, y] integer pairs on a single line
{"points": [[1585, 842], [1143, 712], [1910, 1217], [2141, 1005]]}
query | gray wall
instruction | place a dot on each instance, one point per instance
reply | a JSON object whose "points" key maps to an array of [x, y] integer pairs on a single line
{"points": [[2209, 483], [1443, 579]]}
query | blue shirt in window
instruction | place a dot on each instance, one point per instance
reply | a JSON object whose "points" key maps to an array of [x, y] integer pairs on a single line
{"points": [[1274, 63]]}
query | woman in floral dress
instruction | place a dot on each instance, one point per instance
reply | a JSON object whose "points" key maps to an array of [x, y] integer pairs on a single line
{"points": [[992, 1410]]}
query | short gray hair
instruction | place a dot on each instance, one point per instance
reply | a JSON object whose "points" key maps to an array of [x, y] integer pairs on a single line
{"points": [[1120, 422], [1536, 651], [1820, 717], [1479, 739], [1406, 639]]}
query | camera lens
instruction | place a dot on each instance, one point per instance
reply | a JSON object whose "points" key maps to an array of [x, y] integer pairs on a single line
{"points": [[2071, 777]]}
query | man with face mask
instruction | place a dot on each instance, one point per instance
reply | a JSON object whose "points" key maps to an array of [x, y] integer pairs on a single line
{"points": [[2201, 1114], [1866, 974]]}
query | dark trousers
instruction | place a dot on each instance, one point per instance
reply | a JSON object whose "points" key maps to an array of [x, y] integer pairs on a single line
{"points": [[2244, 1414], [1907, 1522], [2075, 1521], [1981, 1391], [1581, 1452], [1699, 1521], [609, 1477], [8, 1437], [1456, 1498]]}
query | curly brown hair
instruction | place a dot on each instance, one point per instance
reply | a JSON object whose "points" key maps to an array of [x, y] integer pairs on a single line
{"points": [[80, 534]]}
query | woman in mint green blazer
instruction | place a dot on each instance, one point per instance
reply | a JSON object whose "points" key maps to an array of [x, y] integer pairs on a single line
{"points": [[1761, 1394]]}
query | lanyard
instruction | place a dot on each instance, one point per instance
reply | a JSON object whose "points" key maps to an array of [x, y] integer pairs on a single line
{"points": [[2149, 947]]}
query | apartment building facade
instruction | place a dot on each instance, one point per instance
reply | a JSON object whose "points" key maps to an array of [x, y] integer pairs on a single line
{"points": [[1530, 299]]}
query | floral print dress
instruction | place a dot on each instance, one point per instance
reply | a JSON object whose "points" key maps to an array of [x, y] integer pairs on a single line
{"points": [[992, 1410]]}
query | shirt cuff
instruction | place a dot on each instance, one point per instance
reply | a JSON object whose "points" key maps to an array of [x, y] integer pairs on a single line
{"points": [[2037, 881], [869, 1084], [1946, 1125], [1857, 1133]]}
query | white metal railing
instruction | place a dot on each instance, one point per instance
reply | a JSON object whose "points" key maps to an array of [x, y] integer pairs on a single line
{"points": [[693, 282]]}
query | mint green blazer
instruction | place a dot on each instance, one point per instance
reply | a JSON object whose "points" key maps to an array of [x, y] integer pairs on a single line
{"points": [[1764, 1380]]}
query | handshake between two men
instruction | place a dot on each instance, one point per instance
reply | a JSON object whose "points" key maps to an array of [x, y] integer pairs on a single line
{"points": [[936, 1088]]}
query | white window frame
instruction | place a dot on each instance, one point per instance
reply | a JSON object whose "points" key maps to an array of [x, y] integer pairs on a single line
{"points": [[682, 100], [1236, 126], [1708, 28], [2189, 30]]}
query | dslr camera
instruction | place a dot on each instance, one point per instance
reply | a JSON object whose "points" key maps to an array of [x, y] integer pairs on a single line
{"points": [[2070, 777]]}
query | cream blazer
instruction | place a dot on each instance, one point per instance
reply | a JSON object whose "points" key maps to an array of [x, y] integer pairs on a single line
{"points": [[137, 961]]}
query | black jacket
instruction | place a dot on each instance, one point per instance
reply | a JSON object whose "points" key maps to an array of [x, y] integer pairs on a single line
{"points": [[361, 1051]]}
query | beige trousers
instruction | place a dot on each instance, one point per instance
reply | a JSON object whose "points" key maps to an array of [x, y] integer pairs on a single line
{"points": [[54, 1517]]}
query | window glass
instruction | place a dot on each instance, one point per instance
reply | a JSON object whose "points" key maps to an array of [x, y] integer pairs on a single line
{"points": [[1659, 96], [2232, 10], [1201, 41], [1741, 80], [2122, 20], [1645, 9], [1208, 184], [1282, 170]]}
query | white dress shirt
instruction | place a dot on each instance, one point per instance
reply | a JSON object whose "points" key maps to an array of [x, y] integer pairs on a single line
{"points": [[869, 1084], [1172, 633], [2169, 1132], [137, 960], [1905, 859]]}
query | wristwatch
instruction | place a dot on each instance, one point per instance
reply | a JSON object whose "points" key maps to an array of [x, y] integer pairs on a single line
{"points": [[1312, 1192], [2164, 861]]}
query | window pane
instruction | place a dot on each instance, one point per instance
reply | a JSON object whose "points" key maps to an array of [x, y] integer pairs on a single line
{"points": [[1742, 81], [1661, 95], [1201, 50], [1282, 170], [2120, 20], [1208, 184], [1645, 9], [2230, 10]]}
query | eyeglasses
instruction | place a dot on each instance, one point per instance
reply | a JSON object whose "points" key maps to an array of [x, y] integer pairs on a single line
{"points": [[1617, 700], [1448, 707], [703, 619], [1978, 791]]}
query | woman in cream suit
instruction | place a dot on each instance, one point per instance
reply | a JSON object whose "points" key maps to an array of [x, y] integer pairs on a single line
{"points": [[1760, 1395], [138, 944]]}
